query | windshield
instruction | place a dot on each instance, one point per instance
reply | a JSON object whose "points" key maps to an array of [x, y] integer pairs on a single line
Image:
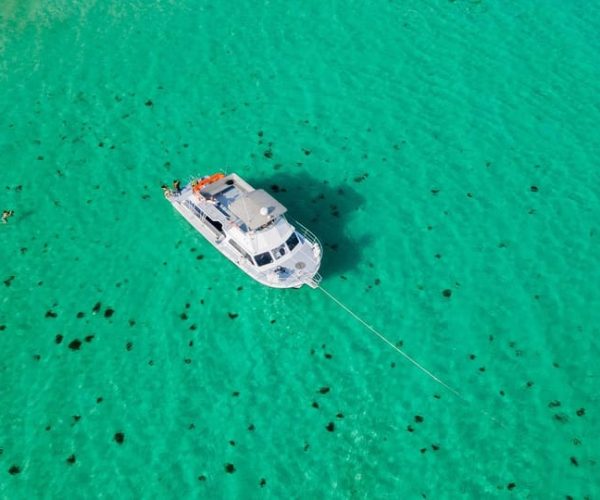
{"points": [[292, 241], [262, 259]]}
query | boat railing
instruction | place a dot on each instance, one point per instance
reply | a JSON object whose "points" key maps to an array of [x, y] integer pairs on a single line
{"points": [[311, 280], [308, 235], [314, 280], [194, 208]]}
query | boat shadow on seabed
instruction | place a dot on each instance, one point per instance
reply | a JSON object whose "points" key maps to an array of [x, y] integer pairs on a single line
{"points": [[324, 208]]}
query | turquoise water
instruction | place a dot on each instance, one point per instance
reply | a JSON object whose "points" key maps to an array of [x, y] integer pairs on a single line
{"points": [[432, 147]]}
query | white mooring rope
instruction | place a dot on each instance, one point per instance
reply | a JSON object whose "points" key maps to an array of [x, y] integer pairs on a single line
{"points": [[413, 361], [391, 344]]}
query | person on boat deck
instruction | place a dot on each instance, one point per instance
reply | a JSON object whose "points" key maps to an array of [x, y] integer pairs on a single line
{"points": [[166, 190], [177, 186], [6, 214]]}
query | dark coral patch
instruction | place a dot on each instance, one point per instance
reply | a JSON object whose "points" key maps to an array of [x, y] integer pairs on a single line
{"points": [[71, 460], [75, 345], [96, 307], [14, 469], [324, 390], [581, 412], [89, 338], [119, 437], [80, 315], [447, 293], [262, 482], [108, 312], [330, 427], [511, 486], [232, 315], [419, 419], [229, 468], [51, 314], [58, 339]]}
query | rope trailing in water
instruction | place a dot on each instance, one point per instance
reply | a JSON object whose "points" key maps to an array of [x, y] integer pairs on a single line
{"points": [[413, 361], [391, 344]]}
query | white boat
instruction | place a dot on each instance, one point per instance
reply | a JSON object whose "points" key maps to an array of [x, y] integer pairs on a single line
{"points": [[249, 227]]}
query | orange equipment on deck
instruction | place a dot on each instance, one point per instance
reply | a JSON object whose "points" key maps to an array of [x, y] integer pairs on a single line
{"points": [[198, 185]]}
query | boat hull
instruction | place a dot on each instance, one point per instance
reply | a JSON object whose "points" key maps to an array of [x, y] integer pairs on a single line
{"points": [[300, 267]]}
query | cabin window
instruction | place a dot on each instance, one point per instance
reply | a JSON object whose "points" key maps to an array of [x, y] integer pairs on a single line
{"points": [[215, 223], [279, 252], [292, 241], [266, 225], [262, 259]]}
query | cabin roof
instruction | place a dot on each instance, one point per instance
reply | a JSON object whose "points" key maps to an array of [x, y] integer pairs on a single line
{"points": [[248, 208]]}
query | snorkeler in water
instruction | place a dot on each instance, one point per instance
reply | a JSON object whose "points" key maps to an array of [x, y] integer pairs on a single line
{"points": [[6, 214]]}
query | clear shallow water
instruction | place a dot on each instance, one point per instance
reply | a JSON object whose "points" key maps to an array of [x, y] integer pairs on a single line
{"points": [[454, 111]]}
